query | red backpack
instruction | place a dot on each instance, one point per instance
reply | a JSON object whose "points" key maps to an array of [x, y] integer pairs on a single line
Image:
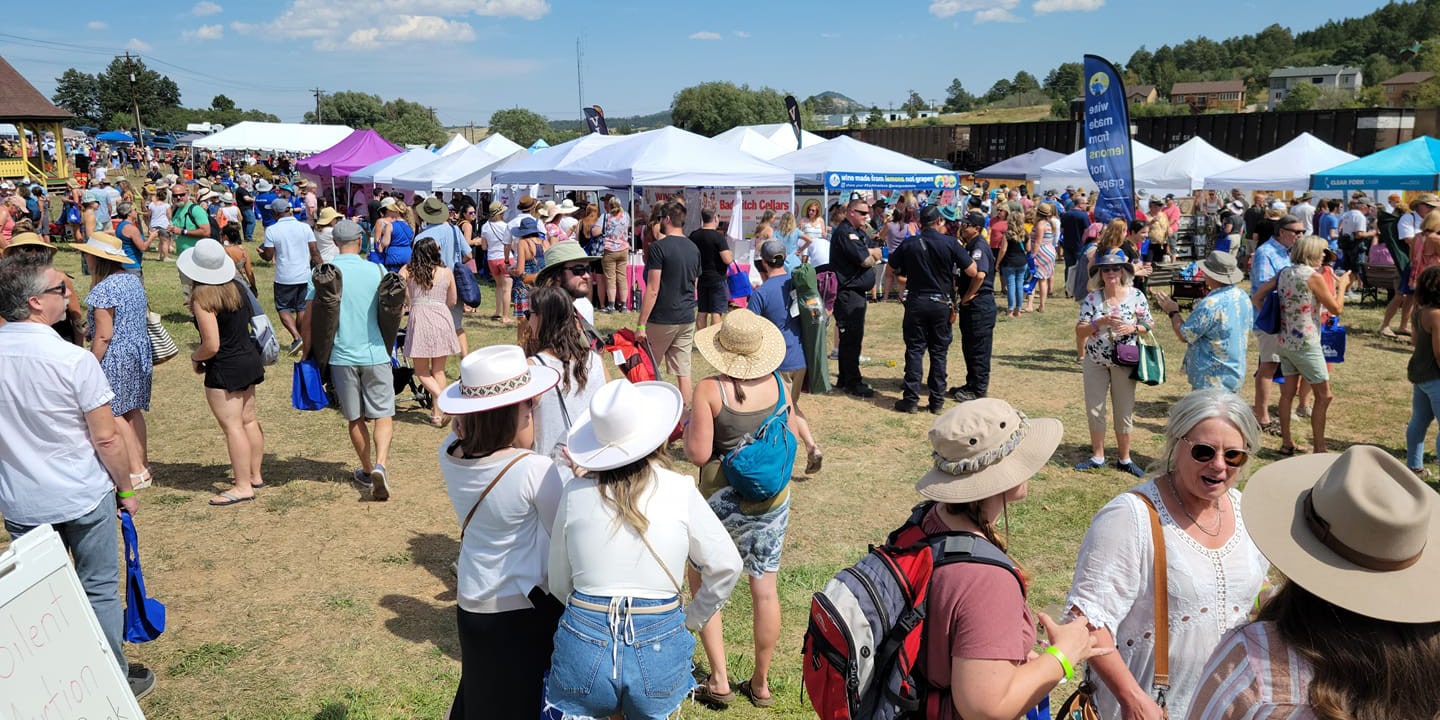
{"points": [[632, 357], [867, 625]]}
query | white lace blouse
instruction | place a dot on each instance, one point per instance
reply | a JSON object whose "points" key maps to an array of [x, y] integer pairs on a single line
{"points": [[1211, 592]]}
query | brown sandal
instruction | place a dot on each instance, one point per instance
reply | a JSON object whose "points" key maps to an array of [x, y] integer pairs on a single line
{"points": [[749, 693], [711, 699]]}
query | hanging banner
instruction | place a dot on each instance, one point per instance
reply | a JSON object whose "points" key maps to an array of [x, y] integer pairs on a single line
{"points": [[1107, 139], [882, 181], [595, 120]]}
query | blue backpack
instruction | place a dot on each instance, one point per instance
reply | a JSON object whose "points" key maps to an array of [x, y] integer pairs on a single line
{"points": [[759, 467]]}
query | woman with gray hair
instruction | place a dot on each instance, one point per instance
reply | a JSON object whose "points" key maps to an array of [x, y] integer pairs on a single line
{"points": [[1214, 571], [132, 239]]}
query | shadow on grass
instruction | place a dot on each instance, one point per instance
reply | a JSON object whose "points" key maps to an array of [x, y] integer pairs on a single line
{"points": [[333, 711], [437, 553], [1043, 359], [421, 622], [197, 477], [177, 318]]}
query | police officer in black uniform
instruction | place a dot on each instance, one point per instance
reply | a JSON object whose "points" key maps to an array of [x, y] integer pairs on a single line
{"points": [[976, 309], [929, 262], [853, 255]]}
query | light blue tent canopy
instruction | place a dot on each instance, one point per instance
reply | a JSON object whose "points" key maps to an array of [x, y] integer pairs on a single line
{"points": [[539, 144], [1413, 165], [1021, 167]]}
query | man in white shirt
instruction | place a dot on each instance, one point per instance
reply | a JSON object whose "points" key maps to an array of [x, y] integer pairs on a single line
{"points": [[1355, 235], [291, 245], [1305, 211], [63, 462]]}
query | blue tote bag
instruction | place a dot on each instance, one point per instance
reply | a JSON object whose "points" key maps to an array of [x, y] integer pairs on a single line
{"points": [[144, 616], [307, 389]]}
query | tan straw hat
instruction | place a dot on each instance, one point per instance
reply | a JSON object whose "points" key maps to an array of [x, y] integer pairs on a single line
{"points": [[983, 448], [327, 215], [106, 247], [744, 345], [1357, 529], [29, 239]]}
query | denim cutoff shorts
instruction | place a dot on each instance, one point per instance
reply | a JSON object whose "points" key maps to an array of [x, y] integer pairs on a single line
{"points": [[619, 660]]}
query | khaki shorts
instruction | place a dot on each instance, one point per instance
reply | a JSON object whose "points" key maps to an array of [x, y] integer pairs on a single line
{"points": [[792, 380], [674, 343], [1308, 363], [1269, 347]]}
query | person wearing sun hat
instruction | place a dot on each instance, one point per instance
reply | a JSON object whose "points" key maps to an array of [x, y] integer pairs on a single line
{"points": [[622, 536], [497, 244], [1353, 630], [984, 453], [1113, 311], [745, 350], [568, 266], [230, 362], [324, 234], [1217, 333], [453, 251], [505, 499]]}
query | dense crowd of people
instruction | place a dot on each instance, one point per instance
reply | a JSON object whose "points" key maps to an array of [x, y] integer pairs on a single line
{"points": [[586, 560]]}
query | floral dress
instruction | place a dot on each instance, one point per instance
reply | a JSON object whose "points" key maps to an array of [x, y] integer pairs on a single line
{"points": [[519, 291], [1299, 311], [127, 362], [1044, 242], [1133, 309]]}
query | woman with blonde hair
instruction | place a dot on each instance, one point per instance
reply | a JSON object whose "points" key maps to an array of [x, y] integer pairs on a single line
{"points": [[393, 235], [230, 362], [787, 232], [1304, 294], [622, 536], [812, 225]]}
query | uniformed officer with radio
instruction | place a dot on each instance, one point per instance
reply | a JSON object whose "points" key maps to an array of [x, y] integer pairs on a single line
{"points": [[929, 262], [853, 256], [976, 309]]}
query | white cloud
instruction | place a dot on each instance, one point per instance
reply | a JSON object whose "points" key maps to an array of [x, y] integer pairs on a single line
{"points": [[137, 45], [332, 24], [96, 25], [705, 35], [205, 32], [741, 34], [998, 14], [205, 7], [950, 8], [1042, 7]]}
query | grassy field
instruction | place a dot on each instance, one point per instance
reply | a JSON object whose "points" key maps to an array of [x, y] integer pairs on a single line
{"points": [[314, 602], [1026, 113]]}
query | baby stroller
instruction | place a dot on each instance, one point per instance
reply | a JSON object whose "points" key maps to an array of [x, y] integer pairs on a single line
{"points": [[404, 374]]}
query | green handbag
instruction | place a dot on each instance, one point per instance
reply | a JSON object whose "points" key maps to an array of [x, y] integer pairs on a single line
{"points": [[1151, 368]]}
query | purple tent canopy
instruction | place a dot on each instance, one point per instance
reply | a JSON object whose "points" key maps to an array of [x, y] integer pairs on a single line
{"points": [[358, 149]]}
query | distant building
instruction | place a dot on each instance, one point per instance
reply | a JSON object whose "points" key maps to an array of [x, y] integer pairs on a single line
{"points": [[1396, 87], [1226, 95], [1339, 77], [862, 117], [1141, 94]]}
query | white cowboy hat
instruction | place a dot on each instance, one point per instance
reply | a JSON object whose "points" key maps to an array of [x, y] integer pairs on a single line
{"points": [[1357, 529], [206, 263], [983, 448], [624, 423], [566, 207], [106, 247], [494, 377]]}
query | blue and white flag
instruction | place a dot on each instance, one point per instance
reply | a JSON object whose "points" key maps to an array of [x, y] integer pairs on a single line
{"points": [[1107, 139]]}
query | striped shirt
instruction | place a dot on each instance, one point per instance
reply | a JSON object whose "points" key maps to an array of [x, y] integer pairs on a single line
{"points": [[1254, 675]]}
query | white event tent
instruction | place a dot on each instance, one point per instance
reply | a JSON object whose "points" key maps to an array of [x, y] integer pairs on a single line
{"points": [[535, 167], [1185, 167], [482, 178], [783, 135], [668, 156], [498, 145], [751, 142], [1287, 167], [846, 154], [383, 171], [1072, 169], [456, 144], [1025, 166], [435, 174], [294, 138]]}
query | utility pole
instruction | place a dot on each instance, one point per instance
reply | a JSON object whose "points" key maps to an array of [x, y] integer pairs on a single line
{"points": [[432, 115], [580, 74], [318, 94], [135, 100]]}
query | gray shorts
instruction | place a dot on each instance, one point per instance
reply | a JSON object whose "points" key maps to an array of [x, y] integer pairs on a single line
{"points": [[367, 390], [457, 314]]}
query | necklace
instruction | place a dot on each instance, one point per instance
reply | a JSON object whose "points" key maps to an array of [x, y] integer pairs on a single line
{"points": [[1219, 519]]}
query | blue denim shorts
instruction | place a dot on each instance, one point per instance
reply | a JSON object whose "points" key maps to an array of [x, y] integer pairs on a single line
{"points": [[606, 662]]}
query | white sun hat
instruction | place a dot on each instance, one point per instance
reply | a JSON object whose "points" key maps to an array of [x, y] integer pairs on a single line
{"points": [[494, 377], [206, 263], [624, 423]]}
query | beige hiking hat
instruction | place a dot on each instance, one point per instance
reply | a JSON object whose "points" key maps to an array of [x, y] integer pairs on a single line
{"points": [[985, 447]]}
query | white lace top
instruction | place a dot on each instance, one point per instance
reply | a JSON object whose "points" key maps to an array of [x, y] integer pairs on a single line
{"points": [[1211, 592]]}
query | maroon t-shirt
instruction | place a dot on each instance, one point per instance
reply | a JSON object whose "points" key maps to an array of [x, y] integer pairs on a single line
{"points": [[974, 611]]}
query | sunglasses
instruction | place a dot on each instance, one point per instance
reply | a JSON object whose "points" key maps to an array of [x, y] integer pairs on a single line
{"points": [[578, 269], [861, 212], [1297, 231], [1112, 268], [1204, 453], [57, 290]]}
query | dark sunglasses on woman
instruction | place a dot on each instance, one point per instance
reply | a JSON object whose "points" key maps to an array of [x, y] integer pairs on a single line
{"points": [[1204, 453]]}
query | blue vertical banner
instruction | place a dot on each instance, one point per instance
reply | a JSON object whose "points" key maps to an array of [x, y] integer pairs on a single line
{"points": [[1107, 139]]}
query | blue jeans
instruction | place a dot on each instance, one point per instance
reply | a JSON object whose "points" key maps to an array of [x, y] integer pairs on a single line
{"points": [[247, 225], [620, 661], [1424, 407], [1014, 278], [93, 542]]}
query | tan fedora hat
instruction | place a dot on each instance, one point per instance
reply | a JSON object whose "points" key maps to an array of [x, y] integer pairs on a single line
{"points": [[1357, 529], [1222, 267], [985, 447], [744, 345], [106, 247]]}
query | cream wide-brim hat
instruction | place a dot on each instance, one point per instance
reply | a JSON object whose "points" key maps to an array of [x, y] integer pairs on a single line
{"points": [[106, 247], [624, 423], [743, 346], [983, 448]]}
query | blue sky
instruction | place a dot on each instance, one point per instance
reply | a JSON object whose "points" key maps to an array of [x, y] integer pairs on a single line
{"points": [[468, 58]]}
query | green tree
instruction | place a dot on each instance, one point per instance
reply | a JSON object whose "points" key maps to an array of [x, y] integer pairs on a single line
{"points": [[998, 91], [347, 107], [79, 93], [957, 99], [152, 91], [1023, 82], [221, 103], [520, 125], [1300, 97], [914, 104], [1063, 83], [410, 123], [713, 107], [876, 119]]}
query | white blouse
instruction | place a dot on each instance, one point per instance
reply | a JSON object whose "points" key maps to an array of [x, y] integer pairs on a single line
{"points": [[1211, 592], [596, 552], [502, 555]]}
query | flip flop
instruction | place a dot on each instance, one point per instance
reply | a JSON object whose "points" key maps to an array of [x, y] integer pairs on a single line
{"points": [[1388, 333], [259, 486], [711, 699], [230, 499], [749, 693], [1272, 427], [1289, 451]]}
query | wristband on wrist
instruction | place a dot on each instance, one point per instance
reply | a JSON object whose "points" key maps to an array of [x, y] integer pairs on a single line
{"points": [[1064, 662], [640, 326], [122, 494], [1173, 313]]}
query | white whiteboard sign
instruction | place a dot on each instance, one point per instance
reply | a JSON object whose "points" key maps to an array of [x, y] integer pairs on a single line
{"points": [[54, 660]]}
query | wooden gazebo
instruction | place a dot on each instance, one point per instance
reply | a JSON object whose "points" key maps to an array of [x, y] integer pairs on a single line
{"points": [[23, 105]]}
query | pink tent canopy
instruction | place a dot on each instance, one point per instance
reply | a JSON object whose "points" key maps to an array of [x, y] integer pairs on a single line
{"points": [[357, 150]]}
